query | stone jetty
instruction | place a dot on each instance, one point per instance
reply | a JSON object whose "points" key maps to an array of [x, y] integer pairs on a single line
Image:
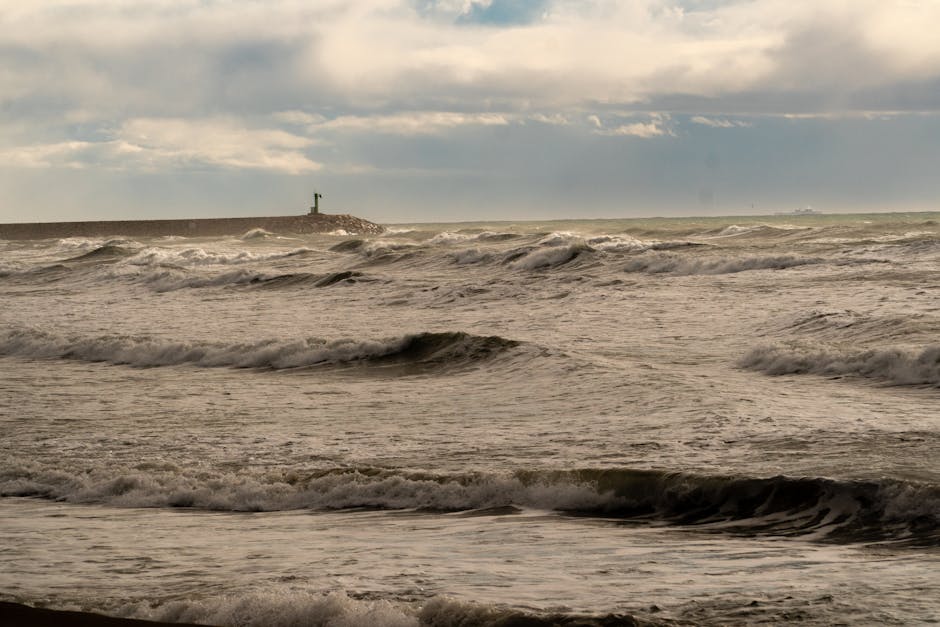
{"points": [[196, 227]]}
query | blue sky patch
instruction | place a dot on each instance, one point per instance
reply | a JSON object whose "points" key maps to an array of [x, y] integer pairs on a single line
{"points": [[504, 12]]}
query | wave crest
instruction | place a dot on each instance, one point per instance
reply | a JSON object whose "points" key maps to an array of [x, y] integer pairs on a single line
{"points": [[450, 349], [550, 256], [106, 252]]}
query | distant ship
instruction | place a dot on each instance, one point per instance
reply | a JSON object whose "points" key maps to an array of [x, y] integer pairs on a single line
{"points": [[805, 211]]}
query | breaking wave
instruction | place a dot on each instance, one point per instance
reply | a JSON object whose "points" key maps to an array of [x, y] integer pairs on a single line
{"points": [[382, 252], [314, 280], [105, 252], [897, 366], [546, 257], [765, 230], [258, 233], [549, 250], [680, 265], [460, 237], [171, 279], [287, 605], [277, 608], [439, 349], [471, 256], [446, 237], [348, 246], [84, 243], [734, 229], [199, 256], [623, 243], [281, 606], [816, 508]]}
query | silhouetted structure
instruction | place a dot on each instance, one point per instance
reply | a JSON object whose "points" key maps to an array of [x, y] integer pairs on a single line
{"points": [[315, 209]]}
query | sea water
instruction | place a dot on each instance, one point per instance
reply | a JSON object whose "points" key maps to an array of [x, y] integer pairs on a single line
{"points": [[672, 421]]}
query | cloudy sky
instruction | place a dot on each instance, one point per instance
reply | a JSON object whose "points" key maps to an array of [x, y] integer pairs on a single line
{"points": [[440, 110]]}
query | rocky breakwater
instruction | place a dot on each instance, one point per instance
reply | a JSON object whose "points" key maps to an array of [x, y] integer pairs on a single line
{"points": [[197, 227]]}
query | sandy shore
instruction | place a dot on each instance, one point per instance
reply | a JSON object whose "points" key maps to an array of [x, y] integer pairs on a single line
{"points": [[17, 615]]}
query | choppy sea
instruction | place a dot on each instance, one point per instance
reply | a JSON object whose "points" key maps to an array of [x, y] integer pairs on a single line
{"points": [[710, 421]]}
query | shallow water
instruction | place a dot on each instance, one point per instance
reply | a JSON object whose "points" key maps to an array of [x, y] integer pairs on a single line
{"points": [[697, 421]]}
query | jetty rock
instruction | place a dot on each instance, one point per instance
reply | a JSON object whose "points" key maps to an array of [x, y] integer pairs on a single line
{"points": [[195, 227]]}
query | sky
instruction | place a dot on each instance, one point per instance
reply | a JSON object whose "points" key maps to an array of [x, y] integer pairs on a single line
{"points": [[463, 110]]}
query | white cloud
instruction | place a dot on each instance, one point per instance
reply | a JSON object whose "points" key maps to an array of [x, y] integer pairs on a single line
{"points": [[218, 142], [555, 119], [659, 125], [637, 129], [147, 143], [860, 115], [71, 154], [719, 122], [410, 123]]}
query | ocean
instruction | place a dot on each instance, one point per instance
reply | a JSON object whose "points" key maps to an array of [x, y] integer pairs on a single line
{"points": [[703, 421]]}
